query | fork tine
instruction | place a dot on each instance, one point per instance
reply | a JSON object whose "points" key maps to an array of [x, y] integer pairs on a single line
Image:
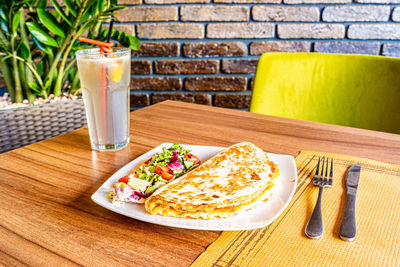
{"points": [[331, 173], [317, 169], [321, 176], [326, 170]]}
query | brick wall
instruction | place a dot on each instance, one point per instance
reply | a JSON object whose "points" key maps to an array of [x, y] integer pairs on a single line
{"points": [[206, 51]]}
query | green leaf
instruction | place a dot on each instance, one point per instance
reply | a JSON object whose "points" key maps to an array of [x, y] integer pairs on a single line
{"points": [[112, 9], [50, 23], [115, 34], [24, 51], [125, 39], [133, 42], [43, 47], [4, 43], [40, 34], [42, 4], [3, 14], [30, 3], [55, 14], [5, 58], [90, 4], [59, 40], [21, 71], [85, 16], [104, 18], [15, 21], [61, 12], [70, 75], [128, 40], [54, 78], [39, 67], [70, 7], [47, 85], [19, 4], [34, 87], [82, 30], [104, 33], [4, 26], [78, 3], [95, 31], [100, 5]]}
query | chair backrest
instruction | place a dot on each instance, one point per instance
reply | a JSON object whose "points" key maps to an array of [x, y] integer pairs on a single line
{"points": [[351, 90]]}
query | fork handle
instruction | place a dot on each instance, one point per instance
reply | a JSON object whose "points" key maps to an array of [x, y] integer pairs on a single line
{"points": [[348, 229], [314, 226]]}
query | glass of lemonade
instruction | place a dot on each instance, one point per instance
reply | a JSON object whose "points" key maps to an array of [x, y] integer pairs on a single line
{"points": [[105, 82]]}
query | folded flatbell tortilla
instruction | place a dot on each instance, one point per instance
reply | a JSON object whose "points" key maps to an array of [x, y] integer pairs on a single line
{"points": [[232, 181]]}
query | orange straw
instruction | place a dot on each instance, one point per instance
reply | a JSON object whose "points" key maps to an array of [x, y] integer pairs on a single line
{"points": [[96, 42], [104, 47]]}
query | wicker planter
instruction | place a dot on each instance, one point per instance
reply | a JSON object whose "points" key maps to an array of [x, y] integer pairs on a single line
{"points": [[23, 126]]}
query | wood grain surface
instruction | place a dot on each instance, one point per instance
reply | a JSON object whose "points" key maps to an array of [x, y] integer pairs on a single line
{"points": [[48, 218]]}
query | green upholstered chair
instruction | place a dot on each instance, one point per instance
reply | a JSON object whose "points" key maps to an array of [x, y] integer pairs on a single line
{"points": [[352, 90]]}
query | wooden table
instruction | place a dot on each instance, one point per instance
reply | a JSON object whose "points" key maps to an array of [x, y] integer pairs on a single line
{"points": [[47, 216]]}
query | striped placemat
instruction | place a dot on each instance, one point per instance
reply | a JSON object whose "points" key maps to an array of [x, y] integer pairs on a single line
{"points": [[283, 243]]}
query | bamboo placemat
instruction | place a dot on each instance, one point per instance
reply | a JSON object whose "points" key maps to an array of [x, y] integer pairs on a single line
{"points": [[284, 243]]}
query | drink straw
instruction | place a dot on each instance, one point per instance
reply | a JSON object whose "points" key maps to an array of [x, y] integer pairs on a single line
{"points": [[104, 47], [110, 30], [104, 77], [96, 42]]}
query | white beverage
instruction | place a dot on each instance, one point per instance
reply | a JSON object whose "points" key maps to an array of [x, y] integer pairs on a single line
{"points": [[105, 83]]}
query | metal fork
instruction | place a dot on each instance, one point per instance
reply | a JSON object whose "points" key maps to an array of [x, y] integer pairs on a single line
{"points": [[314, 226]]}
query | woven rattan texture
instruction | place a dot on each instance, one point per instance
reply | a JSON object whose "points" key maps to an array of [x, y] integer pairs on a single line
{"points": [[24, 126]]}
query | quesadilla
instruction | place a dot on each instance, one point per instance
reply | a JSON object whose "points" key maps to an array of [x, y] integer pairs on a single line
{"points": [[233, 180]]}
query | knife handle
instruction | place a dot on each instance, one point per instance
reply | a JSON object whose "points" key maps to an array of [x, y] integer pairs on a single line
{"points": [[348, 229]]}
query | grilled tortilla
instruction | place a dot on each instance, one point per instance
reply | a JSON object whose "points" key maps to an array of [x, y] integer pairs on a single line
{"points": [[231, 181]]}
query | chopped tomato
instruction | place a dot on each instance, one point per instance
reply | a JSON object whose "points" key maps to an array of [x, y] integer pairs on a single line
{"points": [[167, 176], [193, 158], [165, 172], [160, 168], [124, 179]]}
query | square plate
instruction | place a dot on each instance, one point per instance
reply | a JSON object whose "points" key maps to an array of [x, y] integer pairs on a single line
{"points": [[259, 216]]}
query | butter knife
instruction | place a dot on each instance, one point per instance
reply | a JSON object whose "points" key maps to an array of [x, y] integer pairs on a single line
{"points": [[348, 229]]}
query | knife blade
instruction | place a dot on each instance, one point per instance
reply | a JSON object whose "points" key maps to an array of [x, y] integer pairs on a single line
{"points": [[348, 228]]}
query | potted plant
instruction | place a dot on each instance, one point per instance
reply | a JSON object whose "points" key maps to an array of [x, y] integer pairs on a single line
{"points": [[37, 59]]}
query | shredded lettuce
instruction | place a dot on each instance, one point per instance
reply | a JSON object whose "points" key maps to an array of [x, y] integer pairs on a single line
{"points": [[188, 164], [172, 157]]}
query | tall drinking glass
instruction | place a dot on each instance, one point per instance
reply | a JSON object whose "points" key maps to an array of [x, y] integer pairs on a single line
{"points": [[105, 82]]}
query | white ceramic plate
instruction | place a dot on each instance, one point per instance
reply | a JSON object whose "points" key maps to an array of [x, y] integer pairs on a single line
{"points": [[259, 216]]}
